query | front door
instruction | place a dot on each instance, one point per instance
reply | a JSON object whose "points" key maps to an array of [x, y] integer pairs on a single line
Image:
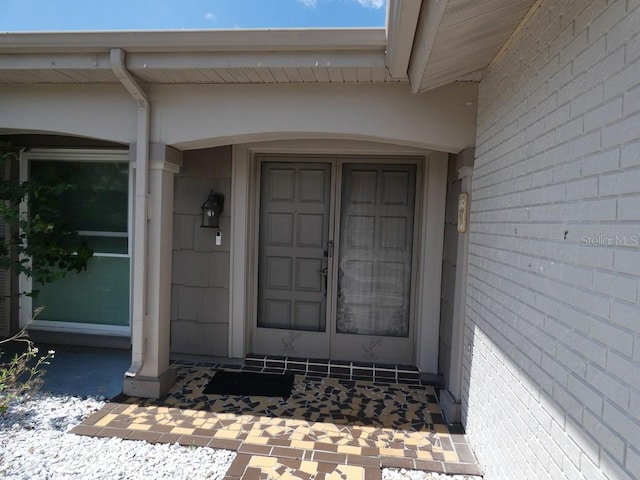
{"points": [[293, 259], [335, 277], [374, 264]]}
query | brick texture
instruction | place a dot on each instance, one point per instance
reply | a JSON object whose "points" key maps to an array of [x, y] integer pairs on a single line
{"points": [[552, 333]]}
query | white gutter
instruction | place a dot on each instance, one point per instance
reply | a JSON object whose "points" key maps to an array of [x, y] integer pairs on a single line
{"points": [[300, 40], [139, 297]]}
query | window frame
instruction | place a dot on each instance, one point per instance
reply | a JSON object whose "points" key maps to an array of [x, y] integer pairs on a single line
{"points": [[25, 283]]}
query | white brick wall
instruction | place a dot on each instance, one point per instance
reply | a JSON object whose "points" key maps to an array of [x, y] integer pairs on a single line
{"points": [[552, 364]]}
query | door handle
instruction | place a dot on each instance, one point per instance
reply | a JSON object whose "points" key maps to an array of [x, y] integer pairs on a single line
{"points": [[325, 273]]}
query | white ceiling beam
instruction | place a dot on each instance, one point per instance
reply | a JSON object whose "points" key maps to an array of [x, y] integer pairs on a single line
{"points": [[402, 20]]}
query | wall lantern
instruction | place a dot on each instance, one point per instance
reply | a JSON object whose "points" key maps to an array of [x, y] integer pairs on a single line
{"points": [[211, 210]]}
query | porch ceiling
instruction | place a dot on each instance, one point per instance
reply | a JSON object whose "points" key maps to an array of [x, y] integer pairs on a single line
{"points": [[457, 39], [178, 57]]}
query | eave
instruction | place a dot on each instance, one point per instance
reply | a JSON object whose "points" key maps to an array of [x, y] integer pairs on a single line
{"points": [[231, 56]]}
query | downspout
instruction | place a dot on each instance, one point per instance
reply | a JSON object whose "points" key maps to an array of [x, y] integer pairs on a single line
{"points": [[139, 297]]}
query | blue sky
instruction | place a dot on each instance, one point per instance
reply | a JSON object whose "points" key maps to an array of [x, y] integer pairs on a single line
{"points": [[57, 15]]}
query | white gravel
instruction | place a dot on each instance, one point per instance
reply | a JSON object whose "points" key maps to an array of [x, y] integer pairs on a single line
{"points": [[403, 474], [34, 444]]}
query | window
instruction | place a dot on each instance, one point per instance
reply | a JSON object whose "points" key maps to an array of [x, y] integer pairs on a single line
{"points": [[98, 207]]}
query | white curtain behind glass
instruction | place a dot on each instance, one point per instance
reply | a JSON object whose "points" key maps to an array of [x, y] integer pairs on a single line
{"points": [[374, 265]]}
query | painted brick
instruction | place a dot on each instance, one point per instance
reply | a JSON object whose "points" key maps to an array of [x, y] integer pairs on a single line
{"points": [[629, 209], [587, 188], [630, 156], [602, 380], [621, 132], [632, 101], [598, 22], [585, 145], [625, 288], [620, 183], [604, 162], [613, 62], [552, 299], [625, 315], [588, 348], [633, 460], [623, 80], [588, 100], [619, 421], [589, 57], [603, 115], [616, 338], [613, 444]]}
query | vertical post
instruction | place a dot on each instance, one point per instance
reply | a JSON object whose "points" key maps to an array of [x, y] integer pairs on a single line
{"points": [[155, 377], [433, 205], [450, 396]]}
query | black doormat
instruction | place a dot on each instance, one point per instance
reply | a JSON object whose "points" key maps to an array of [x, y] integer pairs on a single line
{"points": [[250, 384]]}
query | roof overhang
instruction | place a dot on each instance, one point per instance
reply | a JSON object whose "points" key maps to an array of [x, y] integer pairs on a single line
{"points": [[428, 42], [211, 56], [456, 40]]}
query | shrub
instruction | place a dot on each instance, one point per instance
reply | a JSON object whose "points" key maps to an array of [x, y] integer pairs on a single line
{"points": [[21, 375]]}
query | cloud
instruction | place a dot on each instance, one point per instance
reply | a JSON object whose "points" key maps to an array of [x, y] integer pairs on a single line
{"points": [[376, 4], [372, 3], [210, 16]]}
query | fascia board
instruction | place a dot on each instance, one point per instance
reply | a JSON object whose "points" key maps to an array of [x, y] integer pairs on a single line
{"points": [[192, 61], [402, 20], [431, 15], [195, 40]]}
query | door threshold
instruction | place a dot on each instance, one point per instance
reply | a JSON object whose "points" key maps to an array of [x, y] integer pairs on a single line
{"points": [[344, 370]]}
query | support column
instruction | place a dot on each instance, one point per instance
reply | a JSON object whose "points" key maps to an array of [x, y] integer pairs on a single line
{"points": [[450, 397], [154, 377]]}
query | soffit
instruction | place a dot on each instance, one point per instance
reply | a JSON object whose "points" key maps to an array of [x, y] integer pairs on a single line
{"points": [[459, 41], [179, 57]]}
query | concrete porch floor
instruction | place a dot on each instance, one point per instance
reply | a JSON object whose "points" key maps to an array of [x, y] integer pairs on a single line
{"points": [[327, 428]]}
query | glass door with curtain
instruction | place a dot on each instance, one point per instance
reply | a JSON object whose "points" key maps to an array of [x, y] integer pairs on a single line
{"points": [[374, 263]]}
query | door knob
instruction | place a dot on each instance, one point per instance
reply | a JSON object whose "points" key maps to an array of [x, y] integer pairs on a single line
{"points": [[324, 271]]}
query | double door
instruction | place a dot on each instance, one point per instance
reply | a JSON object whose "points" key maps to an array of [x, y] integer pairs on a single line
{"points": [[335, 260]]}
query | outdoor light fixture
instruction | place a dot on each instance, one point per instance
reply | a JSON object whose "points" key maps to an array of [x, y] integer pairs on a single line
{"points": [[211, 210]]}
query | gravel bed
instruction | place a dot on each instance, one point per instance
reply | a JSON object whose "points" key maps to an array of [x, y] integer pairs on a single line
{"points": [[34, 444], [403, 474]]}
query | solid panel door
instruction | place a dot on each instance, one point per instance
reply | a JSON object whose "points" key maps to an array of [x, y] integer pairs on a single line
{"points": [[292, 265]]}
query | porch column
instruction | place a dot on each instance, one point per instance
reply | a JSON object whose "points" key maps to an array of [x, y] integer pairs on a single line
{"points": [[154, 377], [451, 396]]}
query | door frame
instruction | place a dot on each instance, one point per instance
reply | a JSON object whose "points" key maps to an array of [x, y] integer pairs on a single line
{"points": [[431, 191]]}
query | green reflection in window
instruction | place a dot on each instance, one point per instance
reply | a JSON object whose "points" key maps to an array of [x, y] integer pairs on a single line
{"points": [[97, 204], [99, 295], [98, 199]]}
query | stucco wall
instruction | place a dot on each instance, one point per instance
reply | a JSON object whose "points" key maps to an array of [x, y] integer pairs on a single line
{"points": [[200, 278], [552, 363]]}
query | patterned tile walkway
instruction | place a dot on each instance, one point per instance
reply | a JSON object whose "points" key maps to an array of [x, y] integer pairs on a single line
{"points": [[326, 429]]}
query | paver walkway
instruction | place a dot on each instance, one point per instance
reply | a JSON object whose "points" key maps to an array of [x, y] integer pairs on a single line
{"points": [[328, 428]]}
